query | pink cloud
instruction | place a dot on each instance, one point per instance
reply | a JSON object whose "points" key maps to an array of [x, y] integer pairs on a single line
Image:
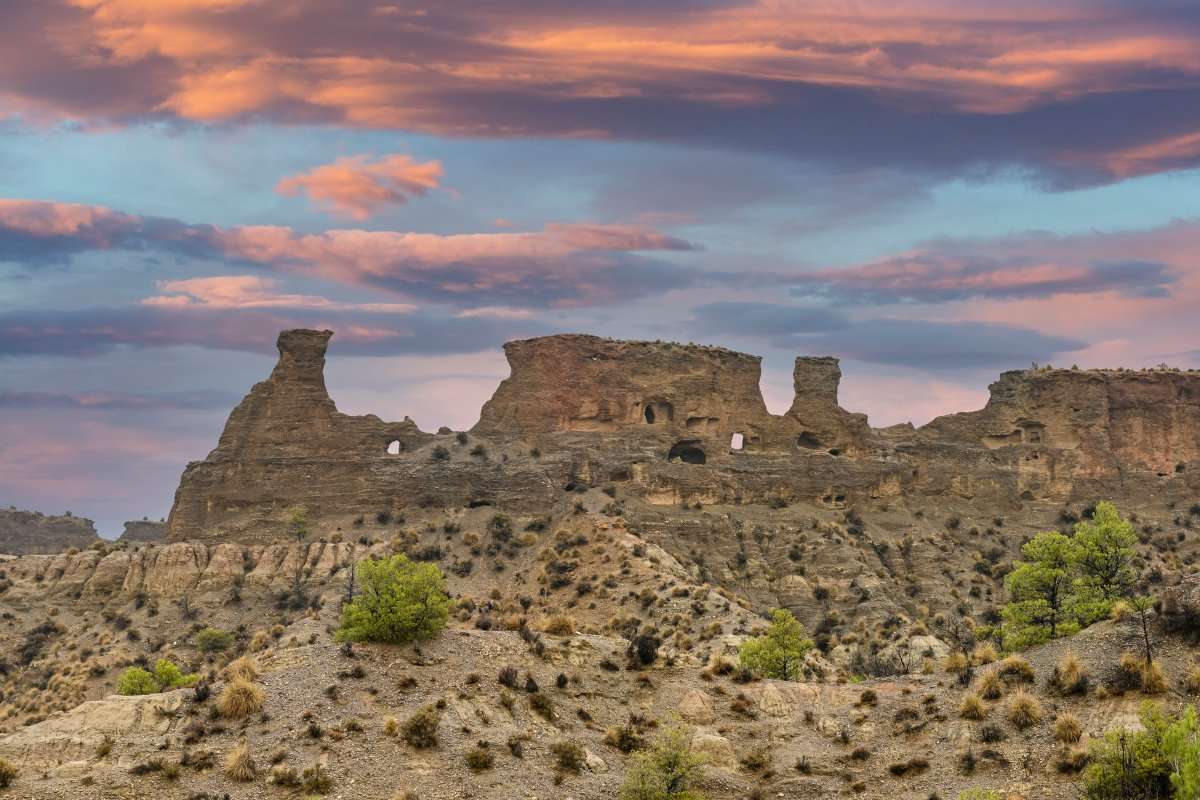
{"points": [[356, 186], [656, 71], [249, 291]]}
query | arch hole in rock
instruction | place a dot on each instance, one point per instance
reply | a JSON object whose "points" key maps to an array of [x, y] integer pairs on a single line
{"points": [[394, 447], [808, 440], [649, 414], [687, 452], [737, 441], [833, 451]]}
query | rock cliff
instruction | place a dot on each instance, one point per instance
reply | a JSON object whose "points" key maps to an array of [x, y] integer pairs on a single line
{"points": [[683, 424], [25, 532]]}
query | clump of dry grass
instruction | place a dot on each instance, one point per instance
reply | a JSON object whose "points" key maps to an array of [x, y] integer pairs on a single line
{"points": [[1191, 680], [955, 662], [1068, 729], [559, 625], [8, 773], [244, 668], [1070, 676], [240, 698], [1137, 674], [990, 686], [1017, 670], [972, 707], [984, 654], [1024, 710], [239, 766]]}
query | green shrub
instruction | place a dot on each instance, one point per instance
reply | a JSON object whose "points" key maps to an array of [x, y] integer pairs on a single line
{"points": [[980, 794], [168, 676], [400, 601], [780, 652], [1149, 763], [214, 640], [667, 771], [136, 680]]}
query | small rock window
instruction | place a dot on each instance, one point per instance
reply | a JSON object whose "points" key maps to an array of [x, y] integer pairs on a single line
{"points": [[737, 441], [394, 447], [649, 414]]}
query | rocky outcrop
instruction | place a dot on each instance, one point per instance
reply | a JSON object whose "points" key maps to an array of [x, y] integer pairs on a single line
{"points": [[24, 532], [682, 424], [141, 531]]}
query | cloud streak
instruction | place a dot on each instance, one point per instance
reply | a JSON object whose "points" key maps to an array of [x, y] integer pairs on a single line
{"points": [[358, 187], [564, 265], [956, 85]]}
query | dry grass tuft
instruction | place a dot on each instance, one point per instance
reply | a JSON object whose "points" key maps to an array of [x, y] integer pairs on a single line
{"points": [[239, 766], [244, 668], [972, 707], [1068, 729], [1024, 710], [240, 698]]}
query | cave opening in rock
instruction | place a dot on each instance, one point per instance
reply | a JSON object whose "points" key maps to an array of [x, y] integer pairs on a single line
{"points": [[394, 447], [649, 414], [737, 441], [808, 440], [687, 452]]}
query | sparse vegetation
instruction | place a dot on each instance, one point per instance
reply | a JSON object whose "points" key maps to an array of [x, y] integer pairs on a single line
{"points": [[240, 698], [420, 730]]}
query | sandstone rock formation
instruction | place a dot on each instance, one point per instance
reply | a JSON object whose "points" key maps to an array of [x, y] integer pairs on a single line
{"points": [[143, 531], [683, 424], [24, 532]]}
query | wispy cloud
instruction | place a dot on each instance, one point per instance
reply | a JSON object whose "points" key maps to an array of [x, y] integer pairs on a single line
{"points": [[358, 187]]}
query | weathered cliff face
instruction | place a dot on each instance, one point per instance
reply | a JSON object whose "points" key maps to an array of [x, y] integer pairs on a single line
{"points": [[23, 532], [143, 531], [682, 424]]}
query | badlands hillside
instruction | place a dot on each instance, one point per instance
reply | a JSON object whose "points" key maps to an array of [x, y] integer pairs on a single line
{"points": [[624, 517]]}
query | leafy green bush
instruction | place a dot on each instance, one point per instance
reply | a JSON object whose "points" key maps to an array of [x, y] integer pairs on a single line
{"points": [[136, 680], [1160, 761], [667, 771], [780, 652], [400, 601], [214, 640], [169, 676]]}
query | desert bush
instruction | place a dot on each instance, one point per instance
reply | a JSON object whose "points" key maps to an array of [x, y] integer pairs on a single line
{"points": [[984, 654], [990, 686], [8, 773], [480, 757], [568, 755], [420, 730], [1191, 679], [559, 625], [283, 775], [955, 662], [1067, 728], [243, 668], [667, 771], [1024, 710], [239, 765], [401, 601], [625, 738], [1135, 673], [542, 705], [239, 699], [980, 794], [168, 676], [315, 779], [1069, 676], [136, 680], [972, 707], [214, 640], [391, 727], [1017, 670], [780, 652]]}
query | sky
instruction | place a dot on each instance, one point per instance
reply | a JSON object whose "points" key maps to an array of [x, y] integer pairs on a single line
{"points": [[933, 191]]}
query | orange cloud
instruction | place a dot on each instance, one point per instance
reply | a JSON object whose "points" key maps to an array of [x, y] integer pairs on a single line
{"points": [[670, 70], [357, 187], [249, 291]]}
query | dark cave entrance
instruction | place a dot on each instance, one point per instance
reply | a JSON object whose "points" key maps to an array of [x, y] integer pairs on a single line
{"points": [[687, 452]]}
